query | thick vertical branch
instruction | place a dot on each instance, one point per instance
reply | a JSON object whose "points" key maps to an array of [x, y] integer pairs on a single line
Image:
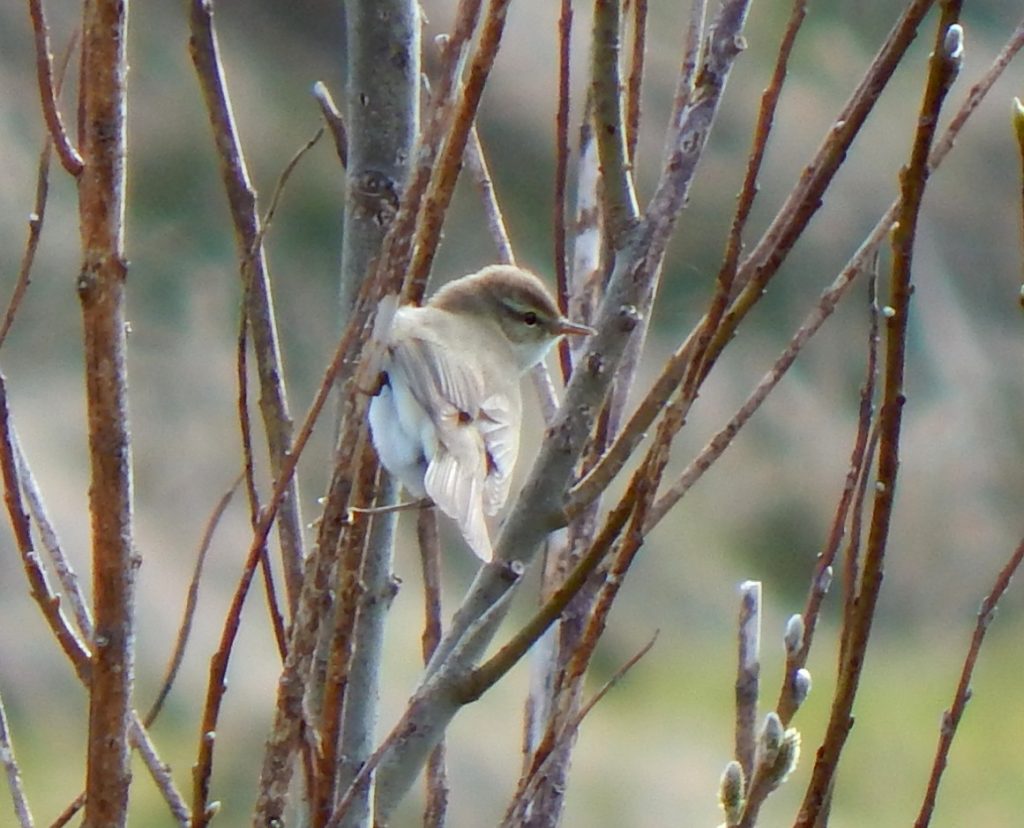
{"points": [[101, 290], [382, 118]]}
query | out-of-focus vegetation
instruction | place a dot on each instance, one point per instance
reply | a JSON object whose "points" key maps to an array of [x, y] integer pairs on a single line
{"points": [[650, 755]]}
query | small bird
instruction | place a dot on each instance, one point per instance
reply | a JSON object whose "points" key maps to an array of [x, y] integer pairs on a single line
{"points": [[446, 419]]}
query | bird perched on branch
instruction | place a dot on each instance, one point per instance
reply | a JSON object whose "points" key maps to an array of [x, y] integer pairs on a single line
{"points": [[446, 419]]}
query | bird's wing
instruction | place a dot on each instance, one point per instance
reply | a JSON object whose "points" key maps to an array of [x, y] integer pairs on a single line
{"points": [[457, 465], [499, 414]]}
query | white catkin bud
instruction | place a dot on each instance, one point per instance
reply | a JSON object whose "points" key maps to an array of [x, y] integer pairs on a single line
{"points": [[770, 740], [786, 758], [953, 45], [801, 685], [794, 637], [730, 792], [825, 580], [888, 311]]}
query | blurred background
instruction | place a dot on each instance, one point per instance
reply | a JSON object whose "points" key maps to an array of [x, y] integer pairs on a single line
{"points": [[652, 751]]}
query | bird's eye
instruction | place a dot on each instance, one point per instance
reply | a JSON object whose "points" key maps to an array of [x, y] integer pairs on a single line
{"points": [[530, 318]]}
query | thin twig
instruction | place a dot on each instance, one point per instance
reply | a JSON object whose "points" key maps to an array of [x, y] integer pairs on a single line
{"points": [[191, 602], [69, 812], [943, 67], [854, 489], [724, 436], [282, 180], [692, 58], [951, 717], [71, 586], [249, 470], [13, 772], [542, 756], [69, 157], [476, 165], [634, 81], [334, 120], [621, 211], [277, 422], [436, 810], [561, 240], [442, 183], [36, 217]]}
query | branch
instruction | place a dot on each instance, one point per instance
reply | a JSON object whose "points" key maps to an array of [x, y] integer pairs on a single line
{"points": [[334, 120], [561, 177], [748, 674], [619, 196], [537, 510], [35, 219], [48, 92], [190, 605], [253, 270], [101, 293], [853, 494], [943, 68], [634, 83], [951, 717], [436, 811], [442, 182], [766, 258], [13, 772], [543, 754]]}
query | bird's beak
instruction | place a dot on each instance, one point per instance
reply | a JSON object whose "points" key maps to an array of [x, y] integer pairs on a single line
{"points": [[566, 326]]}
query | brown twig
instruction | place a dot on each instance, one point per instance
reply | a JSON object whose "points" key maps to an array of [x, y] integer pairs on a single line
{"points": [[69, 157], [634, 81], [951, 717], [700, 364], [442, 182], [854, 488], [191, 602], [36, 217], [277, 422], [621, 211], [349, 590], [397, 249], [537, 511], [101, 294], [282, 180], [721, 440], [541, 758], [436, 810], [561, 236], [943, 68], [334, 120], [487, 674], [69, 812], [249, 471]]}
